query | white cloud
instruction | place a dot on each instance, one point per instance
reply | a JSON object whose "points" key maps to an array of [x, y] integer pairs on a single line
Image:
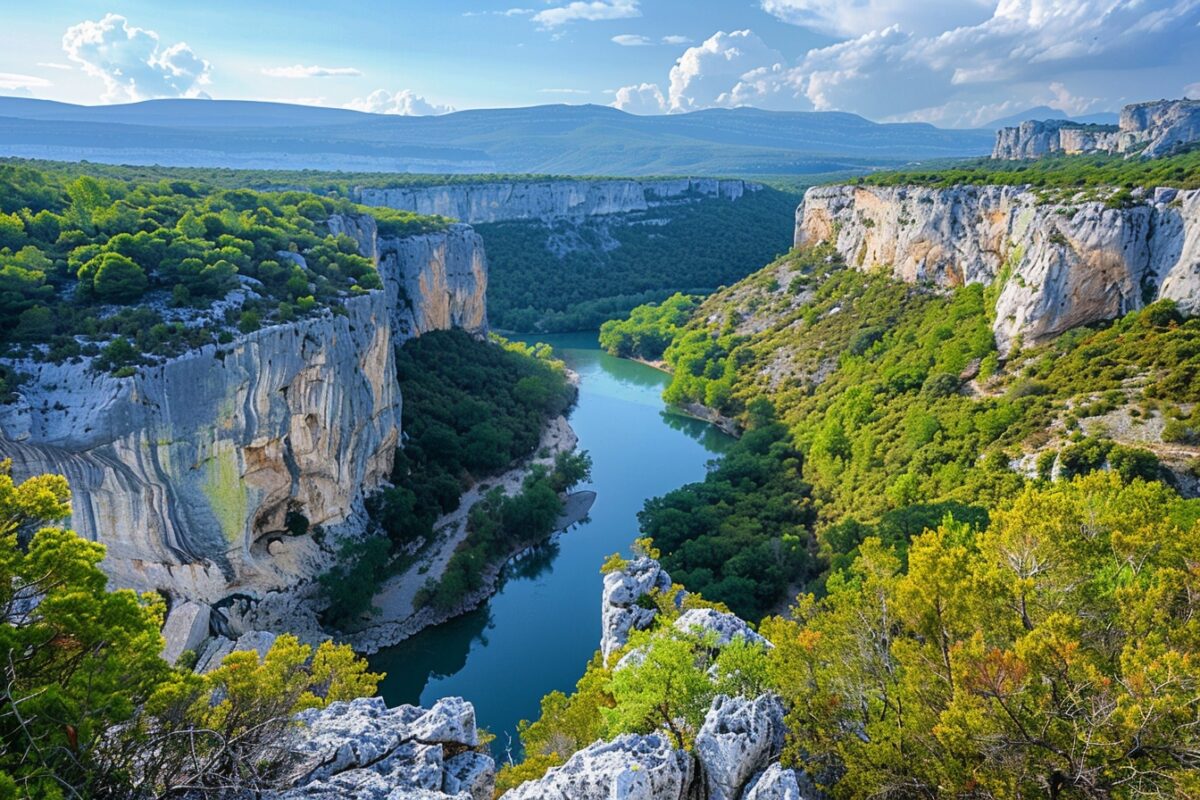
{"points": [[676, 39], [632, 40], [953, 63], [856, 17], [131, 61], [645, 98], [590, 11], [301, 71], [563, 91], [727, 69], [1192, 91], [54, 65], [11, 81], [405, 103]]}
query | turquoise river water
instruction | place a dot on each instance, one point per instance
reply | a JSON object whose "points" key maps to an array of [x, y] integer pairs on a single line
{"points": [[538, 633]]}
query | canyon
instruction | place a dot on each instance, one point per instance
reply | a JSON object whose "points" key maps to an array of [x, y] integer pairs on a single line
{"points": [[231, 469]]}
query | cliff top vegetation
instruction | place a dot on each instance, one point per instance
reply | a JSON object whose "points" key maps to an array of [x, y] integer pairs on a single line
{"points": [[125, 270], [1060, 172]]}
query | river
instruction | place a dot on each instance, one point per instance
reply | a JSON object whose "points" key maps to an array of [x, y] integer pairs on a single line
{"points": [[539, 631]]}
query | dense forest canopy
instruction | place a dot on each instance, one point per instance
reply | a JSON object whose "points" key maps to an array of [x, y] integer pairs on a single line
{"points": [[571, 275]]}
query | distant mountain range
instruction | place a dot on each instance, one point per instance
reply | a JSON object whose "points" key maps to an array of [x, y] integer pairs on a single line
{"points": [[1046, 112], [555, 139]]}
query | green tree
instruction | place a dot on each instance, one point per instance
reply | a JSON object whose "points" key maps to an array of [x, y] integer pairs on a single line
{"points": [[113, 278]]}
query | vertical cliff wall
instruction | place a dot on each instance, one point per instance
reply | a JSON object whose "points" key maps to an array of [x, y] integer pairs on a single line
{"points": [[433, 281], [188, 471], [1055, 265], [545, 200]]}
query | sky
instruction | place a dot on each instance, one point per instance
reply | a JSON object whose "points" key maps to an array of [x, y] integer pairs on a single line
{"points": [[954, 63]]}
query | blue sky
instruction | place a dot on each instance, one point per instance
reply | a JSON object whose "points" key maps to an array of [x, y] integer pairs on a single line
{"points": [[952, 62]]}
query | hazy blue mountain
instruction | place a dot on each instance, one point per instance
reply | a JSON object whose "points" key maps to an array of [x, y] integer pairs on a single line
{"points": [[1046, 112], [555, 139]]}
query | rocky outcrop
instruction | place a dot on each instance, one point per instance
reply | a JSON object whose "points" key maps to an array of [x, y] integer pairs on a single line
{"points": [[1057, 265], [777, 783], [362, 749], [433, 281], [1040, 138], [621, 607], [630, 767], [1149, 129], [546, 200], [739, 738], [724, 627]]}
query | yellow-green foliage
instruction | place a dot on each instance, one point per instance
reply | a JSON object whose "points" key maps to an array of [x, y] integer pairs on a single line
{"points": [[1057, 652], [88, 703], [227, 494]]}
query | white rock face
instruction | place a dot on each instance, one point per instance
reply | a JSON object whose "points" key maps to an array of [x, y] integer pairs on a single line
{"points": [[362, 749], [183, 469], [776, 783], [434, 281], [186, 628], [739, 738], [727, 627], [1063, 264], [1150, 129], [630, 767], [620, 612], [545, 200], [187, 471]]}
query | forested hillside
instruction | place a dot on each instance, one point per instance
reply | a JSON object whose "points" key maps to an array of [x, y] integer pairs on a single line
{"points": [[900, 411], [573, 275]]}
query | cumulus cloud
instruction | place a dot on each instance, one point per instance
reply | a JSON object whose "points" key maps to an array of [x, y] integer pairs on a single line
{"points": [[404, 103], [589, 11], [632, 40], [301, 71], [952, 62], [132, 61], [1192, 91], [727, 69], [12, 81], [644, 98]]}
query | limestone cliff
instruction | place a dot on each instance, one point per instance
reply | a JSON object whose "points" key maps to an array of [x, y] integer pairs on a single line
{"points": [[1055, 265], [434, 281], [546, 200], [188, 471], [1150, 129]]}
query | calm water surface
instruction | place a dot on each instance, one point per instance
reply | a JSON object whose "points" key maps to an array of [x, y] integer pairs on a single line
{"points": [[537, 634]]}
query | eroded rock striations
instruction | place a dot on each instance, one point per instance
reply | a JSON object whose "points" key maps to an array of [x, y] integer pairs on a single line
{"points": [[1056, 265], [1149, 129], [188, 471], [546, 200]]}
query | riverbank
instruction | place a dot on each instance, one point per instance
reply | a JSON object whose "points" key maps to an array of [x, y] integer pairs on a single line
{"points": [[398, 615]]}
